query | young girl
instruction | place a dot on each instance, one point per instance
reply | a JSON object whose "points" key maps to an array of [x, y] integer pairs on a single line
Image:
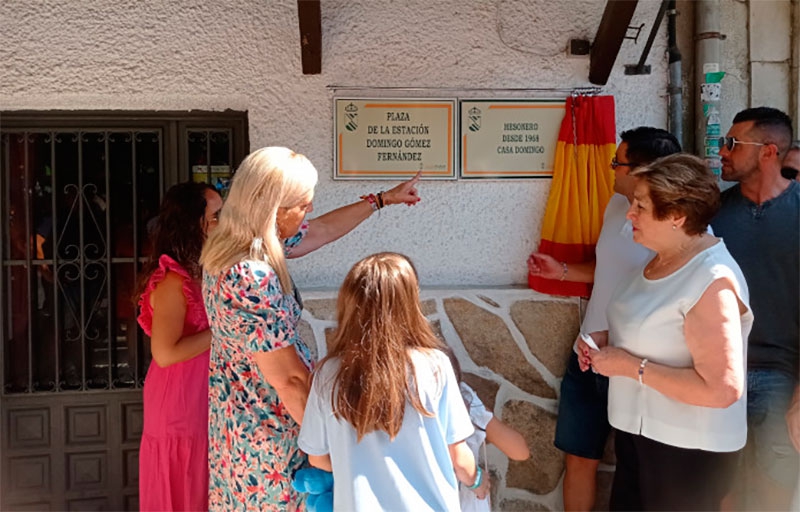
{"points": [[385, 413], [487, 429]]}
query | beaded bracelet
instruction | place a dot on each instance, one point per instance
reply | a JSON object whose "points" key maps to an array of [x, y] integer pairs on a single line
{"points": [[641, 370], [373, 202], [478, 479], [563, 271]]}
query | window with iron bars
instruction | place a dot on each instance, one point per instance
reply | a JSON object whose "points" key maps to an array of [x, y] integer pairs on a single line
{"points": [[80, 193]]}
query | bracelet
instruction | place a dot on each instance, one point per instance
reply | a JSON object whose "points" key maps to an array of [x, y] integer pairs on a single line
{"points": [[641, 370], [563, 271], [373, 201], [381, 202], [478, 479]]}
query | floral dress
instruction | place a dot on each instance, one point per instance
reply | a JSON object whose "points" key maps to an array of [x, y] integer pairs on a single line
{"points": [[253, 451]]}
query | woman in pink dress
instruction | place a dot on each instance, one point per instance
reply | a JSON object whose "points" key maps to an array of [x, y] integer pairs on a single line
{"points": [[173, 457]]}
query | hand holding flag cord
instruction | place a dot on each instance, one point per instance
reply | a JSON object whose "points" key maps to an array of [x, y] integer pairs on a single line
{"points": [[583, 182]]}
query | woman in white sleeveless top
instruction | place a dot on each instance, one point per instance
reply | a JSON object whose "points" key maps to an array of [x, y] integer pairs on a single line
{"points": [[675, 348]]}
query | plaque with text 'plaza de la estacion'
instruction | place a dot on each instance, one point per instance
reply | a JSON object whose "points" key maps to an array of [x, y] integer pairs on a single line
{"points": [[387, 138]]}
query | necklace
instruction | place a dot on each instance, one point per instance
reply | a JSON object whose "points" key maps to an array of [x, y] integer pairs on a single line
{"points": [[660, 263]]}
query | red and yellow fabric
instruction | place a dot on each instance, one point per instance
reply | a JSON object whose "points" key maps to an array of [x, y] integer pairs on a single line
{"points": [[583, 182]]}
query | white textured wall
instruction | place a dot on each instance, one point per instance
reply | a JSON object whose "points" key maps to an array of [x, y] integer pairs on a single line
{"points": [[735, 61], [245, 55]]}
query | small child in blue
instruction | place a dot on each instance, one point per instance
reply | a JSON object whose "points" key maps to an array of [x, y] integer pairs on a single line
{"points": [[488, 429], [385, 412]]}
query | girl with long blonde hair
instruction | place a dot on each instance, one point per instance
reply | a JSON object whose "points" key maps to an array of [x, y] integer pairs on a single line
{"points": [[385, 413], [259, 366]]}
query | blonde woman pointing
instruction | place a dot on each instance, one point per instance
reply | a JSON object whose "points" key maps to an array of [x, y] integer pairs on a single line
{"points": [[259, 367]]}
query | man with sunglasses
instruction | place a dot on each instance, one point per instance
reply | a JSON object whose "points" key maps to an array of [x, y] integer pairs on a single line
{"points": [[760, 222], [582, 427]]}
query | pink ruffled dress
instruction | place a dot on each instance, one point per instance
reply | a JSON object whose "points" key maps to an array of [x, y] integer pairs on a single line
{"points": [[173, 457]]}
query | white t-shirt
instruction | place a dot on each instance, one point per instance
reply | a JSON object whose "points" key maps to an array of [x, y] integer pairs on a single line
{"points": [[646, 317], [617, 255], [412, 472], [480, 417]]}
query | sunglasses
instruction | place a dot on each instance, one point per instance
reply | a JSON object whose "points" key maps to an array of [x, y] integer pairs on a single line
{"points": [[615, 164], [730, 143]]}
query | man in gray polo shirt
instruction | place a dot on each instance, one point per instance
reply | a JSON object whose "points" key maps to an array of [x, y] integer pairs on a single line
{"points": [[760, 223]]}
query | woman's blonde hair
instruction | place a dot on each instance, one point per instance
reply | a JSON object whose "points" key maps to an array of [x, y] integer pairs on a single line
{"points": [[268, 179], [379, 321]]}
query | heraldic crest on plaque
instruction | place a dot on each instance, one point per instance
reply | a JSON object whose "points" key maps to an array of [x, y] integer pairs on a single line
{"points": [[474, 119], [351, 117]]}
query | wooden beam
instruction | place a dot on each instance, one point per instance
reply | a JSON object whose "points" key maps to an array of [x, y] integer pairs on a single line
{"points": [[310, 16], [608, 40]]}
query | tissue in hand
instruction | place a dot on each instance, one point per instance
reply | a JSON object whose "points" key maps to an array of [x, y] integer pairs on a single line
{"points": [[589, 341]]}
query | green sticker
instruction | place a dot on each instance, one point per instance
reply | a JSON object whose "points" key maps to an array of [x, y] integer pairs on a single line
{"points": [[715, 78]]}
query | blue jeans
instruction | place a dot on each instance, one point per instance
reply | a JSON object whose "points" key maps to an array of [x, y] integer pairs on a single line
{"points": [[769, 393]]}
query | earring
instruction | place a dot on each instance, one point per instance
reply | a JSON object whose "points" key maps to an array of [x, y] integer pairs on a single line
{"points": [[674, 227]]}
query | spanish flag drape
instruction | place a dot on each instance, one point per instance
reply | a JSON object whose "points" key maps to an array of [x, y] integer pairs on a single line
{"points": [[583, 182]]}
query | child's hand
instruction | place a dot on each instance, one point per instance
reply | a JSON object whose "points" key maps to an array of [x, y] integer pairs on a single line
{"points": [[483, 490]]}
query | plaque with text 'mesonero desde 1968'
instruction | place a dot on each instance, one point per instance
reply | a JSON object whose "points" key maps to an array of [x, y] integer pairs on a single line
{"points": [[387, 138], [509, 138]]}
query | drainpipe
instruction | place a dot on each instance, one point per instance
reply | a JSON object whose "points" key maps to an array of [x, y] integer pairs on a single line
{"points": [[708, 42], [795, 70], [675, 86]]}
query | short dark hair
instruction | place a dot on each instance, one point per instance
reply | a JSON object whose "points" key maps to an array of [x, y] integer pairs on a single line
{"points": [[790, 173], [682, 184], [773, 123], [646, 144]]}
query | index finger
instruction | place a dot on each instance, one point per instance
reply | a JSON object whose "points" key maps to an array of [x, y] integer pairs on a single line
{"points": [[416, 178]]}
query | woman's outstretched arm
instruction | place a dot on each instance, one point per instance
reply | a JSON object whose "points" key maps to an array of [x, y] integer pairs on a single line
{"points": [[337, 223]]}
